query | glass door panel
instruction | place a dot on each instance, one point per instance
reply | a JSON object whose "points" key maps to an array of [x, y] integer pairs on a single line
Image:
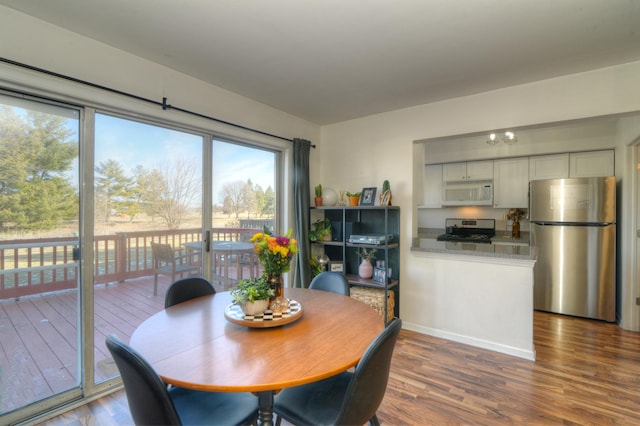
{"points": [[148, 195], [244, 202], [39, 228]]}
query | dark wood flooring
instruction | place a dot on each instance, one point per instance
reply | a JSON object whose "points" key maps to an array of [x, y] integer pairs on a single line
{"points": [[586, 373]]}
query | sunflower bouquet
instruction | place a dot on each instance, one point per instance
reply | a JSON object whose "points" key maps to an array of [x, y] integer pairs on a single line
{"points": [[274, 251]]}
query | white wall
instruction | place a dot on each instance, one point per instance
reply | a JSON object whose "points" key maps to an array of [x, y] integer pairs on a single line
{"points": [[364, 152]]}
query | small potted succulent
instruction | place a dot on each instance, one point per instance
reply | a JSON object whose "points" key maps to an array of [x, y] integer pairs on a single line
{"points": [[318, 198], [385, 196], [252, 295], [354, 198]]}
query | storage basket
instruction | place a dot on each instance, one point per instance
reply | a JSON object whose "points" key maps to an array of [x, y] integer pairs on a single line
{"points": [[375, 298]]}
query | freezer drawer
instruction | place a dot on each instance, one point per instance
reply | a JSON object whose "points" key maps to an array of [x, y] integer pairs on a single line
{"points": [[575, 270]]}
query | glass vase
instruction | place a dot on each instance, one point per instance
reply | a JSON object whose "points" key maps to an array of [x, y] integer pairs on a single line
{"points": [[278, 303]]}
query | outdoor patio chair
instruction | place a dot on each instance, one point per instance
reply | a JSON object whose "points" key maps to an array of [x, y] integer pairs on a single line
{"points": [[166, 261]]}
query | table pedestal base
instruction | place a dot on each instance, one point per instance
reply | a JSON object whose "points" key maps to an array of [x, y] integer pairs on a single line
{"points": [[265, 407]]}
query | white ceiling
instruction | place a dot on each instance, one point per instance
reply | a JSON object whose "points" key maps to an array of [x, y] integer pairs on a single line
{"points": [[333, 60]]}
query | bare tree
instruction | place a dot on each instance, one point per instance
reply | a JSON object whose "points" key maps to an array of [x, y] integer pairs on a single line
{"points": [[233, 195], [169, 191]]}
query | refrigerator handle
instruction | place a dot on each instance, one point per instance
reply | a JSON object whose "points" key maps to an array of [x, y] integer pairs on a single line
{"points": [[528, 214]]}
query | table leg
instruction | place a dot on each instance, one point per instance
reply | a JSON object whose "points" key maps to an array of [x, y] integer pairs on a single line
{"points": [[265, 406]]}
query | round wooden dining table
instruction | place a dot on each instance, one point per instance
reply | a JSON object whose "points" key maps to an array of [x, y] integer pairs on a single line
{"points": [[193, 345]]}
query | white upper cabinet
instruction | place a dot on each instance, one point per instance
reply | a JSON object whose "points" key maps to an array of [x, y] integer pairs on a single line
{"points": [[591, 164], [432, 186], [511, 183], [467, 171], [549, 167]]}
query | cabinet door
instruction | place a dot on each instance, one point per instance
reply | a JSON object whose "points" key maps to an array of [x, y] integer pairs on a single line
{"points": [[472, 170], [591, 164], [480, 170], [454, 172], [549, 167], [433, 186], [511, 183]]}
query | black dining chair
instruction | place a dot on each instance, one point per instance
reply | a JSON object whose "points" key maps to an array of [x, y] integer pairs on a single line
{"points": [[186, 289], [334, 282], [350, 398], [151, 403]]}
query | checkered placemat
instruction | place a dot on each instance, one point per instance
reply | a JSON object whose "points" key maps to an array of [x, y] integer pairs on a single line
{"points": [[235, 312]]}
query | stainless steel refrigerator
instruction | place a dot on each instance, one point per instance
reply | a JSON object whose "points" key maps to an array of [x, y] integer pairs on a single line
{"points": [[573, 227]]}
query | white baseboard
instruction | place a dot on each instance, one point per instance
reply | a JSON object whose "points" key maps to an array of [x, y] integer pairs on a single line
{"points": [[472, 341]]}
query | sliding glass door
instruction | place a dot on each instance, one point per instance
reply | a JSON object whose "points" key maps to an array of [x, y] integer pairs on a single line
{"points": [[244, 202], [147, 197], [86, 198], [39, 239]]}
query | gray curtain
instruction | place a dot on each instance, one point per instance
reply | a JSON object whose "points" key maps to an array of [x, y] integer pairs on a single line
{"points": [[301, 197]]}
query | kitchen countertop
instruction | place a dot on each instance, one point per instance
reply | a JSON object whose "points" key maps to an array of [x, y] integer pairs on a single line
{"points": [[503, 246]]}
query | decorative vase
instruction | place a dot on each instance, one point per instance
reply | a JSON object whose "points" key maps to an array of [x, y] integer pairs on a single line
{"points": [[277, 303], [366, 269], [329, 197], [256, 307]]}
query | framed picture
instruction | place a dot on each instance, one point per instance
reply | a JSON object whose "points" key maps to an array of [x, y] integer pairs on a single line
{"points": [[380, 275], [368, 196], [386, 198], [335, 266]]}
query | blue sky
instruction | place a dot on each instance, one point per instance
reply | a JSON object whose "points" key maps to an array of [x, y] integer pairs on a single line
{"points": [[132, 143]]}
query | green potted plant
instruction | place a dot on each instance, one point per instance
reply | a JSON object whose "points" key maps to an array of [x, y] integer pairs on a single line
{"points": [[315, 266], [321, 230], [318, 198], [354, 198], [252, 295]]}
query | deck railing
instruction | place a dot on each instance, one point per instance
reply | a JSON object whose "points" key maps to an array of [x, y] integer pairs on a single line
{"points": [[43, 265]]}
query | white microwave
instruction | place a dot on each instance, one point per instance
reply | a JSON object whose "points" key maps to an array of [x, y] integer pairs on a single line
{"points": [[467, 194]]}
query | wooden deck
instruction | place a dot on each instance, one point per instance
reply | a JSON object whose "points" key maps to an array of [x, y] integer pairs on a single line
{"points": [[38, 335]]}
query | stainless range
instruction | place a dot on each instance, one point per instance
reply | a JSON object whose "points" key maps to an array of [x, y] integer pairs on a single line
{"points": [[469, 230]]}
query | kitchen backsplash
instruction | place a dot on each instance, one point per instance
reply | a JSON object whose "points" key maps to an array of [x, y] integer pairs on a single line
{"points": [[434, 218]]}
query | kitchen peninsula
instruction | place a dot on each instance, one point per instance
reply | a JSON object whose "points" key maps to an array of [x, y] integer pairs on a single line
{"points": [[478, 294], [501, 247]]}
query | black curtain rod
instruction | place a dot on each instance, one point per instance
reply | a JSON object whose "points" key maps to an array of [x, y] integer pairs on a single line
{"points": [[165, 106]]}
